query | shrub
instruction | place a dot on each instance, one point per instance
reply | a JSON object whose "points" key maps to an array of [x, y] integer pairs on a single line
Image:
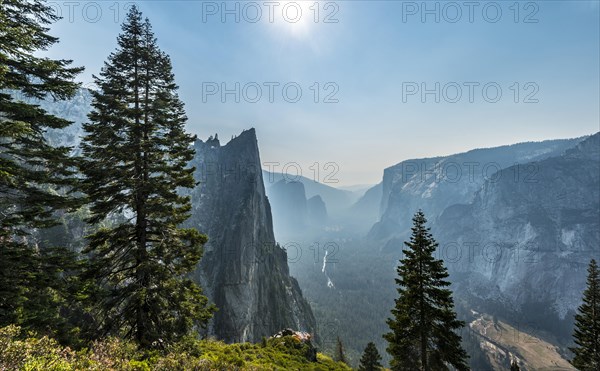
{"points": [[28, 352]]}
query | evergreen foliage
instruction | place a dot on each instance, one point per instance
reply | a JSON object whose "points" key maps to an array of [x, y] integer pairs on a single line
{"points": [[587, 324], [136, 158], [35, 178], [424, 324], [370, 359]]}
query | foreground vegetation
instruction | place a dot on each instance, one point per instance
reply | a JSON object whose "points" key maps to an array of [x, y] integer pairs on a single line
{"points": [[19, 351]]}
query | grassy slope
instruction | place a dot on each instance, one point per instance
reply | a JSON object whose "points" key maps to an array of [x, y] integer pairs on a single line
{"points": [[26, 352]]}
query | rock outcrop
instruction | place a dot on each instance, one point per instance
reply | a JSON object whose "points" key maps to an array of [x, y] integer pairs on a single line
{"points": [[244, 272]]}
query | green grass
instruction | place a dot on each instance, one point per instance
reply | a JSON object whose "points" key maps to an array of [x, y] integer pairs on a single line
{"points": [[20, 351]]}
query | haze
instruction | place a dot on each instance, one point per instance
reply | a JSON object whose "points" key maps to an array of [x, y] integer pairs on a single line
{"points": [[370, 57]]}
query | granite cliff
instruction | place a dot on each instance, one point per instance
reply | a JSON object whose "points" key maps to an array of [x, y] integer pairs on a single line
{"points": [[523, 244], [244, 271]]}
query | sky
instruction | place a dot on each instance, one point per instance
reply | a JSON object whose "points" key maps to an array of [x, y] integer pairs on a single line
{"points": [[352, 87]]}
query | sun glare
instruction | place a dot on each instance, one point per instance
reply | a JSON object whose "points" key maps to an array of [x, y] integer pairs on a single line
{"points": [[296, 18]]}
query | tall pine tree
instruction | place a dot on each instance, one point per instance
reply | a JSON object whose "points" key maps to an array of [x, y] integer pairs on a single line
{"points": [[370, 359], [587, 324], [34, 176], [423, 328], [137, 154]]}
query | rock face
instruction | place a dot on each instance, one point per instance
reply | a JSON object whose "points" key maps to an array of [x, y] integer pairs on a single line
{"points": [[526, 242], [244, 272]]}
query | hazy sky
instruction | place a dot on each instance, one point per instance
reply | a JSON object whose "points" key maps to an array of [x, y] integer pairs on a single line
{"points": [[366, 64]]}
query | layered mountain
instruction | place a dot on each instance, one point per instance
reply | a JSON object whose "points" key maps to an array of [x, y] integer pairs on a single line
{"points": [[433, 184], [290, 209], [365, 211], [245, 272], [317, 211], [293, 214], [336, 200]]}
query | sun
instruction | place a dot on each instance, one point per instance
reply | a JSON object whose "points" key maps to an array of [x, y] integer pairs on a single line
{"points": [[296, 18]]}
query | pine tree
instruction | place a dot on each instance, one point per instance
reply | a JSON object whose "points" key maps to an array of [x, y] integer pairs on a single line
{"points": [[340, 355], [514, 366], [137, 154], [34, 176], [587, 324], [370, 359], [423, 328]]}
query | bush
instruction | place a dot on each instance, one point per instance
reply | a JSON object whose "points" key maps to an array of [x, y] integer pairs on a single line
{"points": [[27, 352]]}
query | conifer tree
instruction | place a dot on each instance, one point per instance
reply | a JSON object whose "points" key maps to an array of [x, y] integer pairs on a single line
{"points": [[423, 327], [370, 359], [587, 324], [514, 366], [137, 158], [340, 355], [34, 176]]}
